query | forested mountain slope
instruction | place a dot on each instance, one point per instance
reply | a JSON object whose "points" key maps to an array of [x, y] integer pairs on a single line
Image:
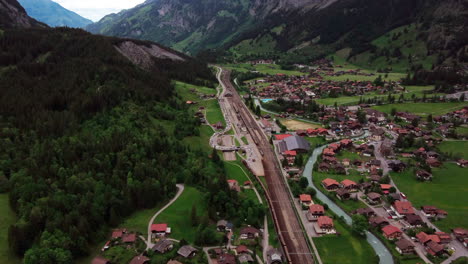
{"points": [[89, 134], [53, 14]]}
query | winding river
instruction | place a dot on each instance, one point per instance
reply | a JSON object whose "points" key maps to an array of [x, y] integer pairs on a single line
{"points": [[377, 245]]}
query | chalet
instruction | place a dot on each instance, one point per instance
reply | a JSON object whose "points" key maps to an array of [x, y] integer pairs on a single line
{"points": [[461, 235], [328, 152], [349, 185], [357, 163], [245, 258], [404, 247], [226, 259], [403, 208], [378, 221], [424, 238], [159, 229], [330, 184], [118, 233], [395, 196], [339, 168], [367, 212], [346, 143], [343, 194], [396, 165], [163, 246], [433, 212], [375, 178], [385, 188], [315, 211], [414, 220], [274, 256], [423, 175], [374, 198], [100, 260], [305, 199], [187, 251], [140, 260], [435, 249], [242, 249], [391, 232], [431, 162], [374, 164], [325, 224], [330, 160], [377, 134], [365, 186], [323, 166], [249, 233], [233, 185], [445, 238], [129, 238]]}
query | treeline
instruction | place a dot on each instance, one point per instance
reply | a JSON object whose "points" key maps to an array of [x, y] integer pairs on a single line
{"points": [[82, 140]]}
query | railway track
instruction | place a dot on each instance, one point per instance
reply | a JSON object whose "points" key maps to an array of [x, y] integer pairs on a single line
{"points": [[291, 235]]}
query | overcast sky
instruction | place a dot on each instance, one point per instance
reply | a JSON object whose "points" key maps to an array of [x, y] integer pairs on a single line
{"points": [[96, 9]]}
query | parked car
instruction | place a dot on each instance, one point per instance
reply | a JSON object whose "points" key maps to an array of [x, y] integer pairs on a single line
{"points": [[403, 195]]}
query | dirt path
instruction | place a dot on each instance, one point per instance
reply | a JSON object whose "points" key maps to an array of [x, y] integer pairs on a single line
{"points": [[181, 188]]}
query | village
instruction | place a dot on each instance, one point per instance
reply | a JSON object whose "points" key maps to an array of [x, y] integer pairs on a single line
{"points": [[361, 148]]}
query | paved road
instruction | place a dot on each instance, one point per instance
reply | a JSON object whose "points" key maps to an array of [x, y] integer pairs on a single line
{"points": [[181, 188], [292, 237]]}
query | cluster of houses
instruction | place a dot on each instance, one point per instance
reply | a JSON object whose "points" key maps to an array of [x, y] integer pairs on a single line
{"points": [[162, 245], [315, 214], [308, 87]]}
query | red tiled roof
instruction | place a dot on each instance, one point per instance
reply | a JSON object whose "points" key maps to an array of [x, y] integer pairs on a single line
{"points": [[325, 220], [385, 186], [282, 136], [348, 183], [329, 182], [129, 238], [390, 230], [403, 207], [305, 198], [316, 208], [158, 228], [290, 153], [241, 249]]}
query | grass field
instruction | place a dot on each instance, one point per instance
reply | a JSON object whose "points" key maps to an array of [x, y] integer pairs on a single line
{"points": [[447, 191], [344, 249], [418, 91], [293, 124], [422, 109], [463, 131], [271, 69], [316, 141], [455, 147], [7, 217], [201, 141], [177, 216], [138, 221]]}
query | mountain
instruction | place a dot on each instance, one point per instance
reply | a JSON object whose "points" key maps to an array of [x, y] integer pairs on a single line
{"points": [[193, 25], [286, 29], [13, 15], [53, 14]]}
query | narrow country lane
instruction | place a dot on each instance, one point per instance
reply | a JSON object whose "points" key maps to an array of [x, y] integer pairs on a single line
{"points": [[180, 190]]}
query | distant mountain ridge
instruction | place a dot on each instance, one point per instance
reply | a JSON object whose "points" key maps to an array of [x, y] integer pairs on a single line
{"points": [[302, 29], [193, 25], [13, 15], [53, 14]]}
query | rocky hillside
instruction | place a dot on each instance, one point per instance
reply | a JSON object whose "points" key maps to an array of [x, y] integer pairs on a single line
{"points": [[13, 15], [53, 14], [191, 26]]}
